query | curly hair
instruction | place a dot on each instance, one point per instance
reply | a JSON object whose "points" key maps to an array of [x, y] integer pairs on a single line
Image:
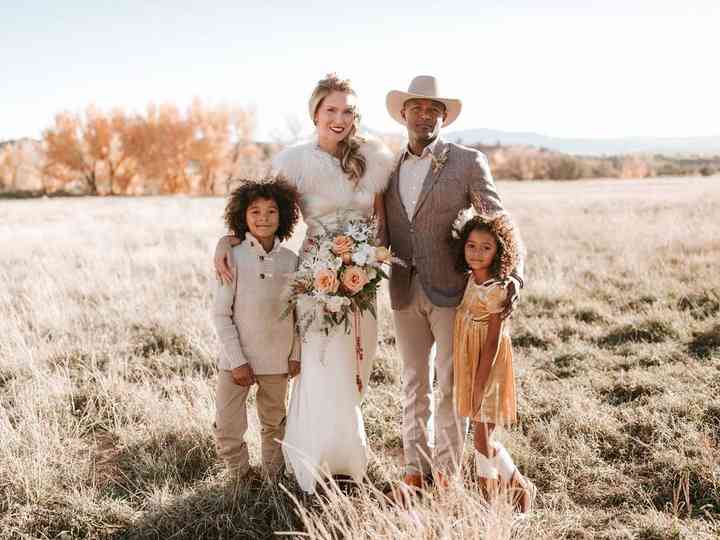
{"points": [[509, 245], [352, 161], [285, 196]]}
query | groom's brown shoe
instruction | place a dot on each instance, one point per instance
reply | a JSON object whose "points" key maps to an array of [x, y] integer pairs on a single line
{"points": [[402, 494], [440, 480], [414, 481]]}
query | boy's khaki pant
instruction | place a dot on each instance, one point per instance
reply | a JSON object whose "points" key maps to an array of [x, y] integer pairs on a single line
{"points": [[231, 421]]}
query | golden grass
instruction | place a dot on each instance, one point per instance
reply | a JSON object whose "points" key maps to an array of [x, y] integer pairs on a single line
{"points": [[107, 377]]}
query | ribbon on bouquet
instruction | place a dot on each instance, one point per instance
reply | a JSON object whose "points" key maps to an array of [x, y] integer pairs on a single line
{"points": [[358, 349]]}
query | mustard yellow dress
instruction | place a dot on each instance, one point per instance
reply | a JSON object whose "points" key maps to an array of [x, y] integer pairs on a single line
{"points": [[498, 404]]}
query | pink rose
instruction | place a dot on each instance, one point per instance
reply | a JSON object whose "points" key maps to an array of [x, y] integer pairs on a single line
{"points": [[326, 281], [354, 279], [342, 244]]}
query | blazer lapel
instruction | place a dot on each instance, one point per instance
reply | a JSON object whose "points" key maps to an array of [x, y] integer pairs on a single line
{"points": [[431, 176]]}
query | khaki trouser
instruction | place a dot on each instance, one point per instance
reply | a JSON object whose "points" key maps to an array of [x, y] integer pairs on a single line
{"points": [[231, 421], [418, 326]]}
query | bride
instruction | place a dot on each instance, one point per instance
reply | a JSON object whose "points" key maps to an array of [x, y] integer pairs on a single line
{"points": [[339, 175]]}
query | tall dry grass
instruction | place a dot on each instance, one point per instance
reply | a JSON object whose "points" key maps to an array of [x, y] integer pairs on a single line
{"points": [[107, 376]]}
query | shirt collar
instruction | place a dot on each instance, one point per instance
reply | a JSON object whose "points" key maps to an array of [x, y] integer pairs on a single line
{"points": [[430, 148], [257, 246]]}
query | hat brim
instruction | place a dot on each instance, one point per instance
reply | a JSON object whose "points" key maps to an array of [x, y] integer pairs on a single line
{"points": [[396, 99]]}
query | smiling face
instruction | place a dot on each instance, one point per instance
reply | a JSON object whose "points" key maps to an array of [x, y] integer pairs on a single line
{"points": [[480, 250], [263, 218], [424, 118], [335, 117]]}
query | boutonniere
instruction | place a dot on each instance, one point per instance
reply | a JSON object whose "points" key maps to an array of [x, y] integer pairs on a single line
{"points": [[439, 162]]}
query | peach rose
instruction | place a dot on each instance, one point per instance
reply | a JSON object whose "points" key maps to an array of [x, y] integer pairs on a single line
{"points": [[382, 254], [342, 244], [354, 279], [326, 281]]}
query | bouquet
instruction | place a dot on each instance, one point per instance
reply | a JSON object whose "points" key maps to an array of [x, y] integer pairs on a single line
{"points": [[338, 278]]}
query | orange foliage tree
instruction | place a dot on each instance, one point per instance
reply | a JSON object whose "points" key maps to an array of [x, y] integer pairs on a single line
{"points": [[221, 143], [160, 142], [21, 166], [8, 167], [194, 152], [88, 148], [162, 151]]}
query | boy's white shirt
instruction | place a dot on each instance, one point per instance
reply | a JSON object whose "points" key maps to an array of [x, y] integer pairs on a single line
{"points": [[246, 313]]}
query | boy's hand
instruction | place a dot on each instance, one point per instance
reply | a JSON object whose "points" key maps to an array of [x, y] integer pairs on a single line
{"points": [[243, 375], [293, 368]]}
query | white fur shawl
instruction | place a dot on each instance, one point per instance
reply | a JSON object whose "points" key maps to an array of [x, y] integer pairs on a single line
{"points": [[311, 169]]}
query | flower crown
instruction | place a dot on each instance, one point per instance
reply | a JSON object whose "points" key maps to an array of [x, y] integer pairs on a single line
{"points": [[466, 214], [500, 225]]}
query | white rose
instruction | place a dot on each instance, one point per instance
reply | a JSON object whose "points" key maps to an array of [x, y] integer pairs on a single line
{"points": [[325, 251], [364, 254], [334, 263], [335, 303], [357, 233]]}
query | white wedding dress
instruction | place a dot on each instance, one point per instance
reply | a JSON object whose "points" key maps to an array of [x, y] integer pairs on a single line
{"points": [[325, 433]]}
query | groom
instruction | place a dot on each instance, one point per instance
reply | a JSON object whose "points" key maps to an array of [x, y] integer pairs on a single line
{"points": [[433, 180]]}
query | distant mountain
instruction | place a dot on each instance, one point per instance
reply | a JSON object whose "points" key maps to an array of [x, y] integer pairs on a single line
{"points": [[624, 145]]}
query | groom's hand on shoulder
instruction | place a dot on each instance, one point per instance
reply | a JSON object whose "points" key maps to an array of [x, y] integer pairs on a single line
{"points": [[243, 375], [511, 299]]}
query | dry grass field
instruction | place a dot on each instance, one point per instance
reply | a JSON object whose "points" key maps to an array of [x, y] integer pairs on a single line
{"points": [[107, 377]]}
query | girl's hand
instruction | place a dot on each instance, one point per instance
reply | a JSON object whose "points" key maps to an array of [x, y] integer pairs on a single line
{"points": [[224, 268], [293, 368], [243, 375]]}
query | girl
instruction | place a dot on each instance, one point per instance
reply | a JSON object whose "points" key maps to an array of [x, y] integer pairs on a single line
{"points": [[257, 347], [482, 354]]}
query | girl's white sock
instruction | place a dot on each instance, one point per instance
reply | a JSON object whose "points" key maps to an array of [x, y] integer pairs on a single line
{"points": [[485, 466], [503, 462]]}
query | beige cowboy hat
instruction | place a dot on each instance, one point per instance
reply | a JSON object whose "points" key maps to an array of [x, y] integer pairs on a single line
{"points": [[422, 87]]}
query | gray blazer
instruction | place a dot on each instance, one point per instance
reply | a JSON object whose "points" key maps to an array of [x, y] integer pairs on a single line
{"points": [[423, 241]]}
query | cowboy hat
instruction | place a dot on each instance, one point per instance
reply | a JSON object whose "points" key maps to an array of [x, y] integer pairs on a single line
{"points": [[421, 87]]}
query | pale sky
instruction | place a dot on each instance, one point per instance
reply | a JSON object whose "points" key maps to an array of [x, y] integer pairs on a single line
{"points": [[567, 69]]}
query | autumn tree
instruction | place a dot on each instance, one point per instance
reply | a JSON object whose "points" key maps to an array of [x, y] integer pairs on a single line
{"points": [[89, 149], [221, 136], [162, 141], [164, 150], [7, 167], [21, 166]]}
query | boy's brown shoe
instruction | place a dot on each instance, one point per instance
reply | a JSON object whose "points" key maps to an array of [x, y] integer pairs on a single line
{"points": [[402, 493]]}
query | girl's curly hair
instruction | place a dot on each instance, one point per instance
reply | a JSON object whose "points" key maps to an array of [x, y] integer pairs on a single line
{"points": [[285, 196], [508, 243]]}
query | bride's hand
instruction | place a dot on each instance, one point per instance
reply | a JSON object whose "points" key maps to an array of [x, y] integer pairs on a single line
{"points": [[293, 368], [222, 260]]}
